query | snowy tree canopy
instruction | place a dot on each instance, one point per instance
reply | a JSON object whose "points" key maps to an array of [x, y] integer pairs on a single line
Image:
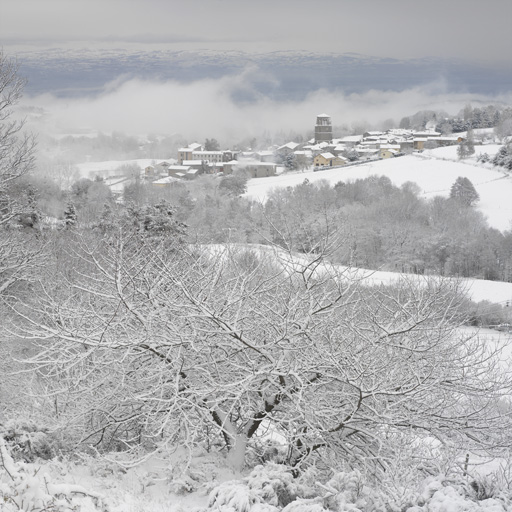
{"points": [[166, 346]]}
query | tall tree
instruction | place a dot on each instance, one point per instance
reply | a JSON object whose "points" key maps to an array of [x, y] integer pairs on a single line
{"points": [[16, 147], [211, 145], [17, 259], [464, 192]]}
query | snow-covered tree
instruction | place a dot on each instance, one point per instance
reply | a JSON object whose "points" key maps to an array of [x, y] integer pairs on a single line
{"points": [[17, 207], [464, 192], [70, 216], [16, 147], [153, 346]]}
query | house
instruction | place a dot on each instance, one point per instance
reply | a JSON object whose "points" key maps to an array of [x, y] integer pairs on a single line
{"points": [[389, 150], [328, 160], [372, 135], [419, 143], [285, 149], [254, 168], [161, 167], [208, 156], [388, 153], [192, 174], [186, 153], [175, 170], [194, 164], [447, 141], [265, 156], [406, 145], [351, 140], [339, 149], [365, 153]]}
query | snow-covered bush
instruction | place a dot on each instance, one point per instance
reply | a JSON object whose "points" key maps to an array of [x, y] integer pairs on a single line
{"points": [[26, 488], [348, 491], [273, 487], [28, 441], [504, 157]]}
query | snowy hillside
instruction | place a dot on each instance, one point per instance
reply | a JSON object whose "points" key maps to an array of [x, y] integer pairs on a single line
{"points": [[434, 171]]}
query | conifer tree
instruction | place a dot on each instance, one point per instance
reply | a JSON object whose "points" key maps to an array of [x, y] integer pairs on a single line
{"points": [[70, 216], [464, 192]]}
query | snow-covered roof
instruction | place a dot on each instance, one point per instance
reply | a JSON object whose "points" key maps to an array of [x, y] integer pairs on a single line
{"points": [[361, 149], [351, 138], [289, 145], [182, 168], [164, 181], [446, 139], [217, 153], [192, 163], [327, 156], [426, 133]]}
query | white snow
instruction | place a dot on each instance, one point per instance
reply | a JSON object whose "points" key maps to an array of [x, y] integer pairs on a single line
{"points": [[433, 171]]}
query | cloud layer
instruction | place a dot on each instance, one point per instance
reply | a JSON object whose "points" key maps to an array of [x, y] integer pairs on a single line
{"points": [[212, 108]]}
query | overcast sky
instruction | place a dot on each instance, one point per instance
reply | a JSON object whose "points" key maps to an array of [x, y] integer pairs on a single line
{"points": [[472, 29]]}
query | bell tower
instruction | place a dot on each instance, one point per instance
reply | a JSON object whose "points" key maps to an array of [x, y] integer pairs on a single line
{"points": [[323, 128]]}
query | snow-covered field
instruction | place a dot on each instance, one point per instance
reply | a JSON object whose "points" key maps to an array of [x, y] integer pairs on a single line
{"points": [[434, 171]]}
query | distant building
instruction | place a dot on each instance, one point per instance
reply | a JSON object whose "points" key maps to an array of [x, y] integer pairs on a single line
{"points": [[328, 160], [323, 129], [254, 168]]}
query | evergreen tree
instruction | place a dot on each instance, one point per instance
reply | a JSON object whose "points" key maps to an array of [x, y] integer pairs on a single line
{"points": [[70, 216], [462, 151], [211, 145], [464, 192]]}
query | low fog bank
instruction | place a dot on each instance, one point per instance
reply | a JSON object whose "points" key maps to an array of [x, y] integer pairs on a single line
{"points": [[208, 108]]}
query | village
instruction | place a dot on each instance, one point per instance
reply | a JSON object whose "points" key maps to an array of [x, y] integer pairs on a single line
{"points": [[319, 153]]}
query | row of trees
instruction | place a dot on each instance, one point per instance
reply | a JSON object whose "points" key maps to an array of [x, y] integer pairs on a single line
{"points": [[384, 226], [503, 157]]}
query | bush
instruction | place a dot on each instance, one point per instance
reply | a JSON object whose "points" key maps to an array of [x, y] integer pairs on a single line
{"points": [[28, 442], [504, 157]]}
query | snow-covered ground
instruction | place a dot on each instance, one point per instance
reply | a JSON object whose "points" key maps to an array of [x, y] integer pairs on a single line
{"points": [[477, 289], [434, 171]]}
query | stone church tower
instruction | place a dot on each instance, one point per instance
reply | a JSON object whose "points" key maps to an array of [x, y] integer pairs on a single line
{"points": [[323, 129]]}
